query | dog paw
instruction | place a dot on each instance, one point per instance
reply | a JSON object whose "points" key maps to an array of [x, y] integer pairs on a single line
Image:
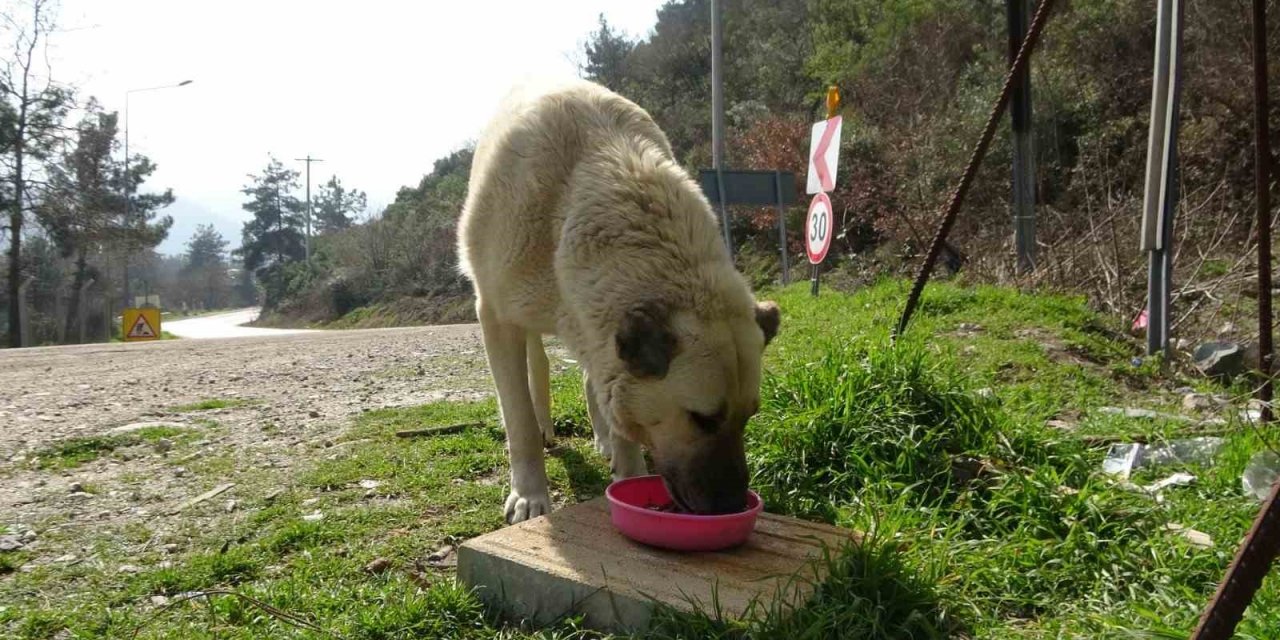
{"points": [[604, 447], [525, 507]]}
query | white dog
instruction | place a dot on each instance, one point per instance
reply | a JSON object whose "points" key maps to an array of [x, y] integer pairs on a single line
{"points": [[579, 223]]}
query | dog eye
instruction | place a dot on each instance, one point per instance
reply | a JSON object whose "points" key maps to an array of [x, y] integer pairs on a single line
{"points": [[706, 423]]}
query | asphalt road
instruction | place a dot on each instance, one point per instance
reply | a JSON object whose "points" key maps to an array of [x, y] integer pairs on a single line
{"points": [[224, 325]]}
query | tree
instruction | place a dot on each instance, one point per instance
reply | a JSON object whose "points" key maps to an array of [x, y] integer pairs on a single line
{"points": [[274, 237], [607, 52], [82, 204], [140, 228], [34, 107], [335, 206], [204, 270], [83, 207]]}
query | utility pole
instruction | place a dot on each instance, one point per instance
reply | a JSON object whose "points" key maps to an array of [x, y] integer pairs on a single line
{"points": [[308, 160], [1024, 180], [1161, 198], [718, 160], [128, 181]]}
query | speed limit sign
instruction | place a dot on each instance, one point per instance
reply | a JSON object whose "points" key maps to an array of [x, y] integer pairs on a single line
{"points": [[817, 236]]}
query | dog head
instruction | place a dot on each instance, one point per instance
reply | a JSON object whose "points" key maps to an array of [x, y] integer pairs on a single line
{"points": [[689, 383]]}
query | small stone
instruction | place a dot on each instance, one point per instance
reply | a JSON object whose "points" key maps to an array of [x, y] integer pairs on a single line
{"points": [[28, 536], [313, 414], [310, 501], [82, 495], [163, 445], [171, 547], [65, 558], [313, 517], [1196, 402], [370, 484], [179, 472], [271, 497], [1222, 360], [129, 568], [75, 487], [370, 494], [10, 543], [230, 506], [379, 565], [159, 601], [443, 557]]}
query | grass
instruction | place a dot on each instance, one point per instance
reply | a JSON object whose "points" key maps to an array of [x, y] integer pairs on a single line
{"points": [[74, 452], [982, 521], [210, 404]]}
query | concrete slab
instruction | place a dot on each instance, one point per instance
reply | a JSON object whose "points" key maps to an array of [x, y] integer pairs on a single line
{"points": [[574, 562]]}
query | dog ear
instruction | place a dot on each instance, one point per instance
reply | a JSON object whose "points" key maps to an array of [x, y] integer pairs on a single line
{"points": [[768, 317], [646, 344]]}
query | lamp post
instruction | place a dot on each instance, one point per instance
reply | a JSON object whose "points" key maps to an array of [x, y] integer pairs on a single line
{"points": [[128, 181]]}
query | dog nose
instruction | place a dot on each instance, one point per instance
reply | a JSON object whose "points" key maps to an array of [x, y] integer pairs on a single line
{"points": [[729, 502]]}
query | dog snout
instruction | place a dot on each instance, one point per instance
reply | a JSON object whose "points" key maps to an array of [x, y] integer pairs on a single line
{"points": [[713, 481]]}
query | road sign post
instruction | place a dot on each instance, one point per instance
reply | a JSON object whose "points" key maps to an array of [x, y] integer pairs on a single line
{"points": [[824, 156], [817, 234], [141, 324]]}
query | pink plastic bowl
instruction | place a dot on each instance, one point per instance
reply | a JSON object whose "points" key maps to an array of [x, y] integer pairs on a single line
{"points": [[628, 502]]}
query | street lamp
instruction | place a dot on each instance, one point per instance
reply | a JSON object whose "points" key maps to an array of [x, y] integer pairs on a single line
{"points": [[128, 182]]}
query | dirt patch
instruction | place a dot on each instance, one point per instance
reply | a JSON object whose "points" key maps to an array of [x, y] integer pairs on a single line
{"points": [[272, 403]]}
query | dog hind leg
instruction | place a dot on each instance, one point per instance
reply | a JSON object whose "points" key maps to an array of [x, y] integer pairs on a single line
{"points": [[540, 385]]}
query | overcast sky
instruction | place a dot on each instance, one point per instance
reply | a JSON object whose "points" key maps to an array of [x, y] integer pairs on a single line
{"points": [[379, 89]]}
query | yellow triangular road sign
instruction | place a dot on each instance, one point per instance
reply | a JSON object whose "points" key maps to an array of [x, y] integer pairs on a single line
{"points": [[141, 328]]}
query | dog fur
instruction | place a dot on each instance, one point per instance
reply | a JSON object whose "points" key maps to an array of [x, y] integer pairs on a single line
{"points": [[579, 223]]}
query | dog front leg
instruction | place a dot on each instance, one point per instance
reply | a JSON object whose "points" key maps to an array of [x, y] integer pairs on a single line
{"points": [[506, 348], [628, 458]]}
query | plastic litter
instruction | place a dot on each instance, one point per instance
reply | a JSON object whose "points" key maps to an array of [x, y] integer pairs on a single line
{"points": [[1260, 474], [1123, 458], [1196, 538], [1176, 480]]}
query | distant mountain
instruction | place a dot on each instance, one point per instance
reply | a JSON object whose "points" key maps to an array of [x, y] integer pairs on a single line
{"points": [[187, 214]]}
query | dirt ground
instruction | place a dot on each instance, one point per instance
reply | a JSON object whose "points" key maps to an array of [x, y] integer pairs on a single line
{"points": [[277, 401]]}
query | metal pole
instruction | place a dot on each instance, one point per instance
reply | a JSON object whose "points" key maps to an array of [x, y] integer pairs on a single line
{"points": [[1260, 547], [308, 209], [128, 181], [84, 311], [971, 170], [782, 229], [24, 314], [1024, 181], [1261, 185], [308, 160], [1161, 198], [718, 161], [128, 204]]}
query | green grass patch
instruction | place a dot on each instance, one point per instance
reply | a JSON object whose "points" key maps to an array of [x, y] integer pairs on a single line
{"points": [[981, 520], [74, 452], [211, 404]]}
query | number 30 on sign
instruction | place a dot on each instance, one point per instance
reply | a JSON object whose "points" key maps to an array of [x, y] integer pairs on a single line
{"points": [[817, 238]]}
